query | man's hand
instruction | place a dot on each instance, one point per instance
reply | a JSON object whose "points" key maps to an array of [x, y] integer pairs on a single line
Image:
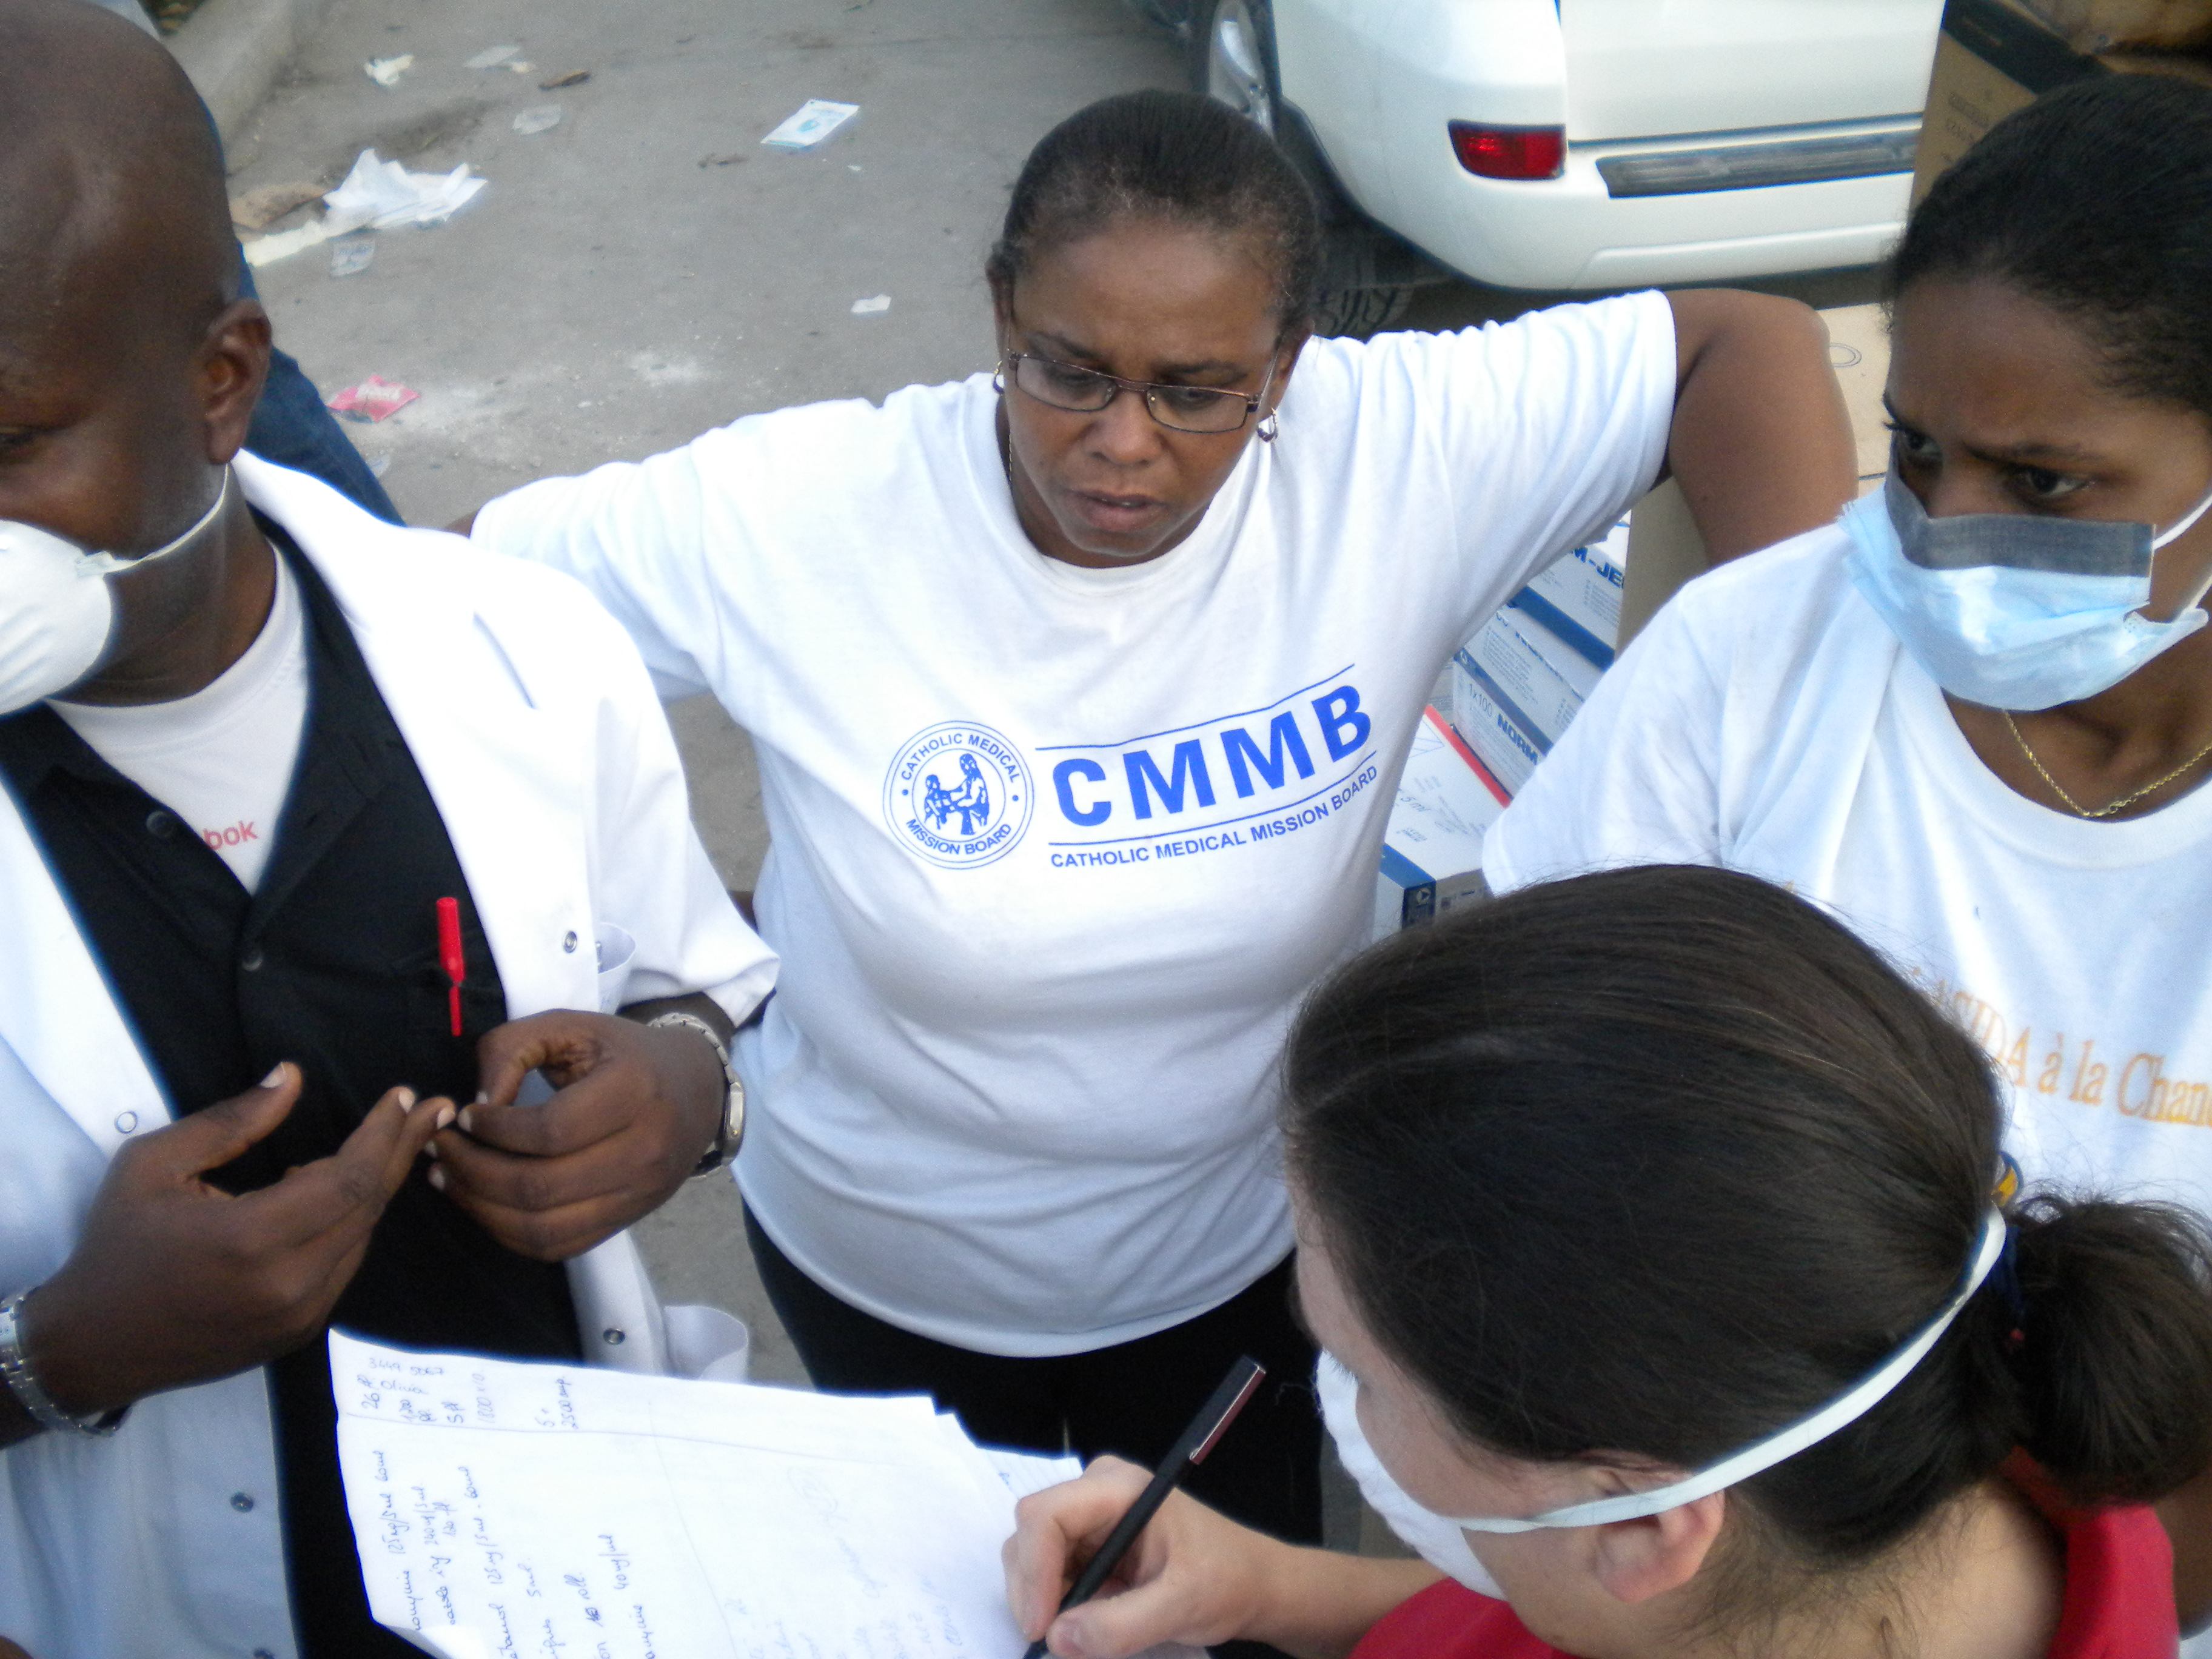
{"points": [[175, 1281], [634, 1110]]}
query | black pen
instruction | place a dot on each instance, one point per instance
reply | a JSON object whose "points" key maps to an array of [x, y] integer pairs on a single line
{"points": [[1212, 1422]]}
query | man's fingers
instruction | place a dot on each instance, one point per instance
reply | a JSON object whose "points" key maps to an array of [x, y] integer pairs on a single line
{"points": [[507, 1054], [591, 1110], [552, 1235], [415, 1137], [351, 1187], [209, 1139], [521, 1181]]}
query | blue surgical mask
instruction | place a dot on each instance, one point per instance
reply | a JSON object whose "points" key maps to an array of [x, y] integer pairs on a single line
{"points": [[2013, 610]]}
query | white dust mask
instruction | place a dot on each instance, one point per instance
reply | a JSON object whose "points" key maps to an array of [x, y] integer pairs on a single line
{"points": [[1436, 1539], [2012, 610], [56, 608]]}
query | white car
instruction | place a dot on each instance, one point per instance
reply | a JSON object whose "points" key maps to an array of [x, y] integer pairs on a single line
{"points": [[1582, 144]]}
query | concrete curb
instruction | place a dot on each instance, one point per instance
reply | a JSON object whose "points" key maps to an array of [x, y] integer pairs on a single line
{"points": [[234, 49]]}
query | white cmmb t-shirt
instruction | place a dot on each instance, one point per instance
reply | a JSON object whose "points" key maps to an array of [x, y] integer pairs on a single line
{"points": [[1055, 851], [220, 759], [1768, 722]]}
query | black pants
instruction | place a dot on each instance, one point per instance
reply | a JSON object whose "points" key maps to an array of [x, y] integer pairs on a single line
{"points": [[1132, 1400]]}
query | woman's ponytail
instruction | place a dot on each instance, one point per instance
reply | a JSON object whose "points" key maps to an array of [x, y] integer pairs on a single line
{"points": [[2114, 1351]]}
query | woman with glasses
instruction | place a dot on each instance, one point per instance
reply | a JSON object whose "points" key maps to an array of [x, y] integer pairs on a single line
{"points": [[1079, 693]]}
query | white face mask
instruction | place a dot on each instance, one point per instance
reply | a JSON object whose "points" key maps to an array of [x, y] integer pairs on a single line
{"points": [[1761, 1454], [1436, 1540], [56, 609]]}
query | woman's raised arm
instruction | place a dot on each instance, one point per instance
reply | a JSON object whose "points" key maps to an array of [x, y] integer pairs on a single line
{"points": [[1761, 443]]}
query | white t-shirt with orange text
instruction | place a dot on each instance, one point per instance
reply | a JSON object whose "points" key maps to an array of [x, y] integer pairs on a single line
{"points": [[220, 759], [1768, 722]]}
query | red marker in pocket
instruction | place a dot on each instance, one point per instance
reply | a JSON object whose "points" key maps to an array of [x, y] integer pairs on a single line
{"points": [[449, 954]]}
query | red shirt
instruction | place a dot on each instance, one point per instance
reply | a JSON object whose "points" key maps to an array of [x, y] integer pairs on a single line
{"points": [[2118, 1600]]}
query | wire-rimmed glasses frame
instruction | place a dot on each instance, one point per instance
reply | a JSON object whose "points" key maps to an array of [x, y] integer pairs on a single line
{"points": [[1087, 391]]}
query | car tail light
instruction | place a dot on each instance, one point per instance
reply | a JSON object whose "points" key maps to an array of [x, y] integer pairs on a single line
{"points": [[1511, 152]]}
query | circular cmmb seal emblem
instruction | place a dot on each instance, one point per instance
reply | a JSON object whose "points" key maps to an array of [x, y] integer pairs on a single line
{"points": [[958, 795]]}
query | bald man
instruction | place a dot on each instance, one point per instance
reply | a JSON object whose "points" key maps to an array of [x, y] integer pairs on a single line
{"points": [[275, 776]]}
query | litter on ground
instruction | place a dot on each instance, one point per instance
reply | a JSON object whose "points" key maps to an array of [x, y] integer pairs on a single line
{"points": [[374, 399], [874, 307], [386, 71], [491, 57], [384, 195], [351, 255], [543, 118], [572, 78], [379, 195], [810, 123]]}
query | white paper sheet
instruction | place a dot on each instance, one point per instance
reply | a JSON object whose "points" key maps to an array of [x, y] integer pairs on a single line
{"points": [[507, 1508]]}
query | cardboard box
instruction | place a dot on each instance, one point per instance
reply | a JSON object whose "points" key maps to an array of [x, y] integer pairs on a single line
{"points": [[1432, 851], [1577, 598], [1994, 57], [1495, 731], [1524, 678]]}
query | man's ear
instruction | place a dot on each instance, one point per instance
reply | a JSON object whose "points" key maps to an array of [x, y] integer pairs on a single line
{"points": [[232, 364], [1636, 1560]]}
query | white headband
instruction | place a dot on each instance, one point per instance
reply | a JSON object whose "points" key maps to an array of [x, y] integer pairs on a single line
{"points": [[1786, 1443]]}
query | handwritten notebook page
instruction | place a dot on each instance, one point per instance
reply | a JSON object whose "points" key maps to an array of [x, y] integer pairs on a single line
{"points": [[503, 1507]]}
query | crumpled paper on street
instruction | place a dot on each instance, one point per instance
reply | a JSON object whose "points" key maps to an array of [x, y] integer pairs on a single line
{"points": [[384, 195], [379, 195]]}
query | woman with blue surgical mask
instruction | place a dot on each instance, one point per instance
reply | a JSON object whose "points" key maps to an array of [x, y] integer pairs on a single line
{"points": [[1677, 1300], [1974, 717]]}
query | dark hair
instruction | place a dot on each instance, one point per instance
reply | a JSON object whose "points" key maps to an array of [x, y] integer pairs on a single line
{"points": [[2097, 200], [1173, 155], [1655, 1161]]}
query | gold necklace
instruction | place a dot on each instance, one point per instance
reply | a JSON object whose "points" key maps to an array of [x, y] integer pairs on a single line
{"points": [[2109, 807]]}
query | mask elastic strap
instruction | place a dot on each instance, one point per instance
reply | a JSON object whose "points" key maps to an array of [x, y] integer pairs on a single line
{"points": [[1763, 1455], [2175, 534], [108, 564], [2188, 523]]}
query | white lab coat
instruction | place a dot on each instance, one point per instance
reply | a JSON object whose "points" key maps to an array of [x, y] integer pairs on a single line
{"points": [[539, 733]]}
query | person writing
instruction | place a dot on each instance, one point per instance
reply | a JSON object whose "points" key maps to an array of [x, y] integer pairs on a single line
{"points": [[1079, 693], [1677, 1301], [309, 827]]}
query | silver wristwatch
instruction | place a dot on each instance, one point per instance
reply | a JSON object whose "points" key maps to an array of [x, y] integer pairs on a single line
{"points": [[732, 1129], [22, 1382]]}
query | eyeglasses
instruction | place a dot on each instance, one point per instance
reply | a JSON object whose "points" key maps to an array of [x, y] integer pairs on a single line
{"points": [[1178, 408]]}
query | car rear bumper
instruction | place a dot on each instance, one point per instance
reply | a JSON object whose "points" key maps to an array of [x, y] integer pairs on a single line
{"points": [[1573, 232]]}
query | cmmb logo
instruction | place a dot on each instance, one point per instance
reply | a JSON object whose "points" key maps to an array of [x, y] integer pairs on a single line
{"points": [[958, 795]]}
